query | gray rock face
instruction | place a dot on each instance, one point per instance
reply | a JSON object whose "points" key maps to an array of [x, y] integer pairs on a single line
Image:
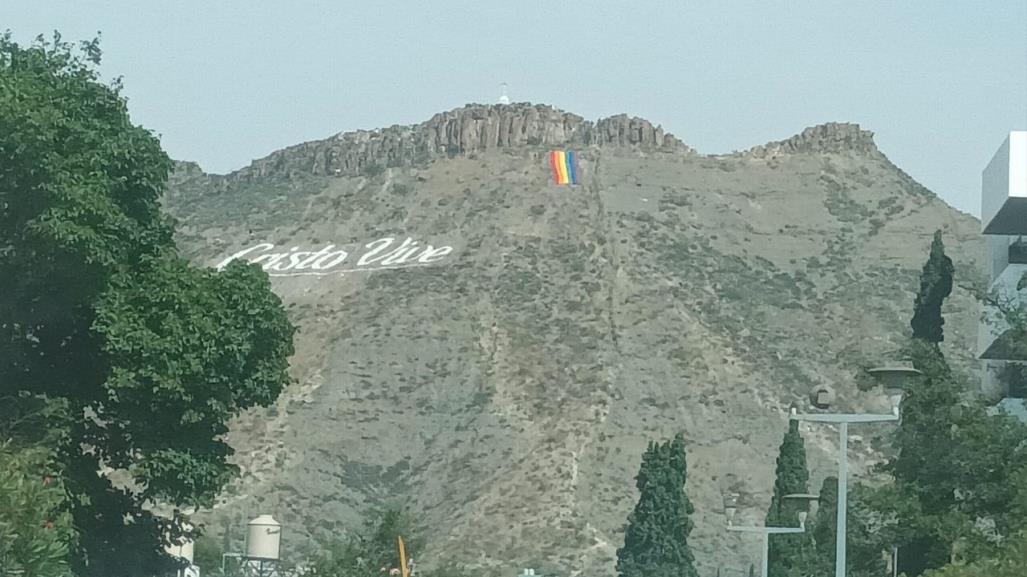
{"points": [[471, 129], [506, 393], [833, 137]]}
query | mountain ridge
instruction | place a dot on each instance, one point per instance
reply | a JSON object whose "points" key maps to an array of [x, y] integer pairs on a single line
{"points": [[461, 130], [505, 393]]}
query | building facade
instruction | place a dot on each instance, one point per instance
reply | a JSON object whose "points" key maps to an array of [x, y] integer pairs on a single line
{"points": [[1002, 353]]}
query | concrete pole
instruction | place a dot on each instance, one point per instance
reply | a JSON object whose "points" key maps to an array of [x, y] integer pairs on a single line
{"points": [[843, 498], [766, 555]]}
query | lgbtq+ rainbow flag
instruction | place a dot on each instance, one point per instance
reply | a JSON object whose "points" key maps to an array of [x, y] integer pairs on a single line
{"points": [[565, 166]]}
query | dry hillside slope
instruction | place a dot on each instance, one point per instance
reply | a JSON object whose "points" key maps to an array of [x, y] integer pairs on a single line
{"points": [[506, 389]]}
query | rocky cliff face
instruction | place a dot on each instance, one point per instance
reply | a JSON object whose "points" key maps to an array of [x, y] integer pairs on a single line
{"points": [[830, 138], [500, 372], [471, 129]]}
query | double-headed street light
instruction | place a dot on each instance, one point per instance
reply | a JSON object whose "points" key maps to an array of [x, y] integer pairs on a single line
{"points": [[893, 377], [731, 507]]}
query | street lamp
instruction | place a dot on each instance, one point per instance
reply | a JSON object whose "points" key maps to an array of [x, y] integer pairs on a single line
{"points": [[806, 499], [730, 507], [893, 377]]}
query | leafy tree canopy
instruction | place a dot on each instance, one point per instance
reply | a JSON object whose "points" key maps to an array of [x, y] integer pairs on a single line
{"points": [[955, 466], [140, 357], [1010, 561]]}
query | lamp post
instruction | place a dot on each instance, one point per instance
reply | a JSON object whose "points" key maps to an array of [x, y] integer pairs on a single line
{"points": [[730, 508], [892, 377]]}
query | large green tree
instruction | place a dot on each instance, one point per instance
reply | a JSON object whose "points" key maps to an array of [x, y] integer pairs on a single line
{"points": [[954, 465], [146, 355], [955, 469], [789, 554], [656, 539], [935, 287]]}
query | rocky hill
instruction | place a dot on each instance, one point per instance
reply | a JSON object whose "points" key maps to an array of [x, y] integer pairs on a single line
{"points": [[495, 351]]}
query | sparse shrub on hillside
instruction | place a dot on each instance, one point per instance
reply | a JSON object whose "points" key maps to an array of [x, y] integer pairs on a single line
{"points": [[842, 206], [373, 170], [401, 189], [674, 200], [876, 224]]}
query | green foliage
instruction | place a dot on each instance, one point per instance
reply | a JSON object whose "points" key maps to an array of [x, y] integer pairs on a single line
{"points": [[207, 555], [124, 347], [1014, 376], [1010, 561], [953, 469], [825, 526], [656, 539], [956, 469], [366, 552], [870, 531], [926, 431], [935, 287], [789, 554], [187, 348], [34, 531]]}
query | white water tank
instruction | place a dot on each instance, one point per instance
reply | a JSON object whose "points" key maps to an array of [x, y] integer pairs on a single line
{"points": [[263, 538]]}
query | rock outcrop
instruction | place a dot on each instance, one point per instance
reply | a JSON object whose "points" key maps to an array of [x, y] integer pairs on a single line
{"points": [[473, 128], [829, 138]]}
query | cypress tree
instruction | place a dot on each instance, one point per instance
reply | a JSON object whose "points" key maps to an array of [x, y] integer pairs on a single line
{"points": [[788, 552], [825, 527], [935, 286], [656, 539]]}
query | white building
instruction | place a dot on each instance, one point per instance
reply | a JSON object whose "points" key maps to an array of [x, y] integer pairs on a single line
{"points": [[1004, 224]]}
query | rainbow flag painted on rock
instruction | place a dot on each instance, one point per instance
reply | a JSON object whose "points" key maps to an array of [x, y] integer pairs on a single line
{"points": [[565, 166]]}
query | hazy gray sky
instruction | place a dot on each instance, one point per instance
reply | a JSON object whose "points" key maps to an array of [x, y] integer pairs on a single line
{"points": [[224, 82]]}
